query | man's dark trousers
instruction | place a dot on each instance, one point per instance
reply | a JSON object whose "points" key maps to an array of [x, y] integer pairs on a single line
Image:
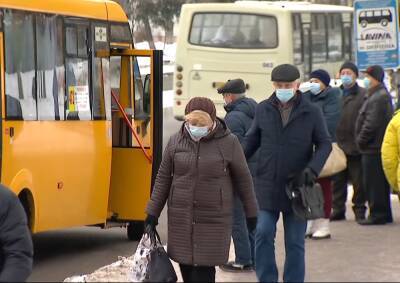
{"points": [[377, 188], [353, 174]]}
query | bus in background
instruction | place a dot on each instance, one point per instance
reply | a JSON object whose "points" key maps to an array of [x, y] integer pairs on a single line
{"points": [[81, 128], [247, 39]]}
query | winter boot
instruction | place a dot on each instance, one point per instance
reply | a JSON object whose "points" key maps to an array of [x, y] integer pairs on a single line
{"points": [[322, 230], [310, 228]]}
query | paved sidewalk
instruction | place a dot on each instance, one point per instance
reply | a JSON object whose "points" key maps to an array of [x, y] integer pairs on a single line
{"points": [[355, 253]]}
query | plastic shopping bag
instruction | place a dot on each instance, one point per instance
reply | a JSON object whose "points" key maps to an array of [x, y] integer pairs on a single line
{"points": [[141, 258], [151, 262]]}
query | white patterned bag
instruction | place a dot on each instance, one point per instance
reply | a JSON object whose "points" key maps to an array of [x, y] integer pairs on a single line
{"points": [[141, 259]]}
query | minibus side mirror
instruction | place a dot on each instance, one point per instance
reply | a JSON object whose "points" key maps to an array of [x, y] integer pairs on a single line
{"points": [[146, 94]]}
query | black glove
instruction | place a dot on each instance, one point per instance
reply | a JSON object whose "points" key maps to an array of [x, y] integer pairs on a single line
{"points": [[306, 177], [251, 224], [150, 223]]}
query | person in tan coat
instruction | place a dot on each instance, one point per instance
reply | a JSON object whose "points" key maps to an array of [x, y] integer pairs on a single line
{"points": [[203, 164]]}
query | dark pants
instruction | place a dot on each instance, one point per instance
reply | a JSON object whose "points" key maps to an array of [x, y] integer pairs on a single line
{"points": [[192, 273], [326, 186], [353, 174], [376, 187], [243, 241]]}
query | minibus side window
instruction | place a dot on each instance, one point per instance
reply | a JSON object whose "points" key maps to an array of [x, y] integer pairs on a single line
{"points": [[78, 105], [50, 75], [319, 38], [297, 39], [335, 43], [19, 66], [101, 102]]}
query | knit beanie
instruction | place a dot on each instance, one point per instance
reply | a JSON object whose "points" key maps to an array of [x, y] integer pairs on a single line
{"points": [[376, 72], [322, 75], [202, 103], [351, 66]]}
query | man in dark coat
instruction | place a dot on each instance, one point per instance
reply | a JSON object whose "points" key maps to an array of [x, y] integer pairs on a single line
{"points": [[374, 116], [15, 240], [293, 139], [240, 114], [352, 100]]}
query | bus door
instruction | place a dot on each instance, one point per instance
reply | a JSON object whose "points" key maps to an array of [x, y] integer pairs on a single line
{"points": [[136, 85]]}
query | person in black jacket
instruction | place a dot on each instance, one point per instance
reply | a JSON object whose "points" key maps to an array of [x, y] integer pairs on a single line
{"points": [[374, 116], [352, 100], [240, 114], [293, 140], [16, 249]]}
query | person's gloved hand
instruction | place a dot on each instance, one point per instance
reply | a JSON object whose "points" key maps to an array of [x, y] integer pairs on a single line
{"points": [[251, 224], [150, 222], [306, 177]]}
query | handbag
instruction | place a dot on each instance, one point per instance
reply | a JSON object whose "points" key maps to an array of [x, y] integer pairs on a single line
{"points": [[307, 201], [160, 268], [335, 163]]}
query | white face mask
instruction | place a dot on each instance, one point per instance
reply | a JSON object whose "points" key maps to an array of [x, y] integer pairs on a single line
{"points": [[197, 132], [284, 94]]}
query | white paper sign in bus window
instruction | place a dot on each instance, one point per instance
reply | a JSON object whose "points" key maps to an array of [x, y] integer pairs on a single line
{"points": [[82, 98]]}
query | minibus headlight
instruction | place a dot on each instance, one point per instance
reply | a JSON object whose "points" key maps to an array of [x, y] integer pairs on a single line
{"points": [[178, 91], [179, 68], [179, 84], [179, 76]]}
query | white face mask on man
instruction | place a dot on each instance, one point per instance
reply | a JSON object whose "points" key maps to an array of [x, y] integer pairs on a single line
{"points": [[284, 94], [285, 91]]}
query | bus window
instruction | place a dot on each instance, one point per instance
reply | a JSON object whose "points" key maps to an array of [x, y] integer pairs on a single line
{"points": [[120, 33], [101, 98], [50, 67], [77, 73], [347, 36], [319, 38], [335, 43], [19, 66], [297, 39], [230, 30]]}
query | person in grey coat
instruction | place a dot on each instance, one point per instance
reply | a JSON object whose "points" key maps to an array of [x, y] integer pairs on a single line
{"points": [[202, 166], [240, 112], [16, 249]]}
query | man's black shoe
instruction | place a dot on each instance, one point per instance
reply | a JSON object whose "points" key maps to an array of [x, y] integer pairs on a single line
{"points": [[338, 216], [370, 221]]}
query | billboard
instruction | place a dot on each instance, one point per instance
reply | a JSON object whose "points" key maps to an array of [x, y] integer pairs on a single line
{"points": [[376, 30]]}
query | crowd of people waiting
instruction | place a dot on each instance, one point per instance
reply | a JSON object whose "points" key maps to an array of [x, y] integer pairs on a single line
{"points": [[210, 167]]}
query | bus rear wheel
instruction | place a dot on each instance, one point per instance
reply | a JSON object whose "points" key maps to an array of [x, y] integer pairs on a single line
{"points": [[135, 230]]}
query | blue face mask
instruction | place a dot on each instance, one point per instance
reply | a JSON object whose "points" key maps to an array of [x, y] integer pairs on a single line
{"points": [[347, 80], [315, 88], [284, 94], [367, 83], [198, 132]]}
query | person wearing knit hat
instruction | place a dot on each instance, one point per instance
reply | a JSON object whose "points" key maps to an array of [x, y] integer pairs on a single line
{"points": [[327, 99], [202, 103], [373, 118], [293, 144], [350, 66], [351, 101], [202, 166]]}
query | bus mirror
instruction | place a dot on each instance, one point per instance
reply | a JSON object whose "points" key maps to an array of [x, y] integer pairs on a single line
{"points": [[146, 94]]}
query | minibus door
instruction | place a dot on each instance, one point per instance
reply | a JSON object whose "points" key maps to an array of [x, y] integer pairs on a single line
{"points": [[137, 132]]}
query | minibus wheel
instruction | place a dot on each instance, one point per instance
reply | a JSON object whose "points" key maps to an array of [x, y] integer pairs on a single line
{"points": [[135, 230]]}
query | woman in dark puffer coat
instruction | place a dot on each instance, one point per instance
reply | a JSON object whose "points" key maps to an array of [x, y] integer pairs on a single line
{"points": [[328, 99], [202, 166]]}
